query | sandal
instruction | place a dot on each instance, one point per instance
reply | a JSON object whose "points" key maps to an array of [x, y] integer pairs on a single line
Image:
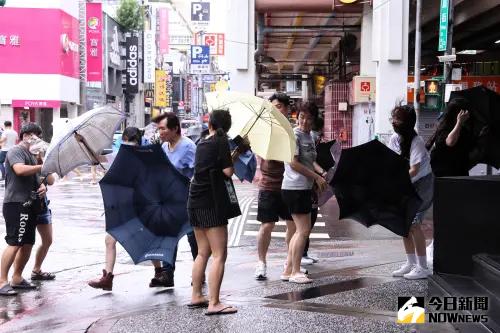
{"points": [[23, 285], [226, 310], [7, 291], [300, 279], [42, 276]]}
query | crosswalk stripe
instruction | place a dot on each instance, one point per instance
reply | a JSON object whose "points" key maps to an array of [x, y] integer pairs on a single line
{"points": [[317, 224], [278, 234]]}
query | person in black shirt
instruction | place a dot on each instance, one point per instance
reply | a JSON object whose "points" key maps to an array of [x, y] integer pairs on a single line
{"points": [[210, 230]]}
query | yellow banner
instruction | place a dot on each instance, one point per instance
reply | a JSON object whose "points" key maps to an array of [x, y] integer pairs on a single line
{"points": [[160, 88]]}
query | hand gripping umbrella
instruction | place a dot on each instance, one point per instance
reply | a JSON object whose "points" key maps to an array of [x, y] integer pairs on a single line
{"points": [[145, 201], [372, 186]]}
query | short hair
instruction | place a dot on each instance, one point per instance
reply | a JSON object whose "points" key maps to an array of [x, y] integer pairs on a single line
{"points": [[281, 97], [220, 119], [30, 128], [308, 107], [172, 121], [7, 123], [132, 134]]}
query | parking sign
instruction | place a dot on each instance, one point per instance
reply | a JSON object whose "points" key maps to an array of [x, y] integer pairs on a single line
{"points": [[200, 11], [200, 58]]}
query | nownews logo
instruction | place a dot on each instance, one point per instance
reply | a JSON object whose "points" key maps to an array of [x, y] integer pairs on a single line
{"points": [[447, 309]]}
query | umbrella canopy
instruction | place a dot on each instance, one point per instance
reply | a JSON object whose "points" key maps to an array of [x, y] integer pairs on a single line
{"points": [[268, 131], [145, 200], [81, 140], [372, 186], [484, 123], [325, 157]]}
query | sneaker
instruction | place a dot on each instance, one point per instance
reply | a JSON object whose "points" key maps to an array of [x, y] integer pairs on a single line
{"points": [[165, 279], [417, 272], [306, 261], [314, 259], [260, 271], [104, 283], [405, 269]]}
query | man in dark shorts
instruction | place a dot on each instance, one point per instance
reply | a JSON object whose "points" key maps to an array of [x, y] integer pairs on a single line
{"points": [[22, 178], [270, 204]]}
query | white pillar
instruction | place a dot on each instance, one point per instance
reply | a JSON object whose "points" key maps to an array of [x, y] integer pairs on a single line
{"points": [[240, 45], [56, 114], [390, 51], [72, 111], [363, 113], [305, 91]]}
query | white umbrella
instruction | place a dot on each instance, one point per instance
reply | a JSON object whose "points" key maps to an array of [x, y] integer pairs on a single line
{"points": [[82, 140]]}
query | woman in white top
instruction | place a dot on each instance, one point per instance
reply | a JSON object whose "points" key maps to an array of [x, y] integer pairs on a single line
{"points": [[408, 144]]}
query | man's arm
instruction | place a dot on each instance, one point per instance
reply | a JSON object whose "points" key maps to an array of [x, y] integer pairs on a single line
{"points": [[24, 170]]}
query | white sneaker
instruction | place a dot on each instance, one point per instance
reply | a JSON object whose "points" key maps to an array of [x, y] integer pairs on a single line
{"points": [[417, 272], [405, 269], [306, 261], [260, 271], [314, 259]]}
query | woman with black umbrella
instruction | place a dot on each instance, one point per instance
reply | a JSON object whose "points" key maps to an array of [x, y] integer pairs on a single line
{"points": [[408, 144]]}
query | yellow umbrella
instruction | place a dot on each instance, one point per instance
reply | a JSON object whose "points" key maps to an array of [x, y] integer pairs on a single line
{"points": [[268, 131]]}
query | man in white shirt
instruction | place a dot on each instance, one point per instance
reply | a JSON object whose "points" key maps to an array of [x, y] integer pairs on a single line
{"points": [[7, 140]]}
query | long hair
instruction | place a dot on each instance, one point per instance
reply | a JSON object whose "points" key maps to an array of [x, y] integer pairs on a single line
{"points": [[449, 119], [220, 120], [406, 131]]}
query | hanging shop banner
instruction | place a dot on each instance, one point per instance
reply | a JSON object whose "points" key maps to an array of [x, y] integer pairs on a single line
{"points": [[443, 25], [163, 37], [149, 56], [94, 44], [132, 63], [169, 83], [160, 88]]}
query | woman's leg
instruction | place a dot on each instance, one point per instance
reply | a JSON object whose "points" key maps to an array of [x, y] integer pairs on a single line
{"points": [[217, 238], [303, 225], [45, 231], [289, 236], [200, 264], [110, 253], [419, 243]]}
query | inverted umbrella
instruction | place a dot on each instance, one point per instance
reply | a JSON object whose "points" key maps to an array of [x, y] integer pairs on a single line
{"points": [[145, 201], [484, 123], [82, 140], [268, 131], [372, 186]]}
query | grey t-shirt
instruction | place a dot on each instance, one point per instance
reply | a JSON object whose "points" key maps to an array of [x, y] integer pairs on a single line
{"points": [[306, 152], [18, 188]]}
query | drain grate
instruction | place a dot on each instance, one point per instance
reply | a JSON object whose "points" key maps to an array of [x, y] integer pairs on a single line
{"points": [[335, 254]]}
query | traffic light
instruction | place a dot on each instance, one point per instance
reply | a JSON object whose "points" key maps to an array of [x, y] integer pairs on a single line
{"points": [[433, 94]]}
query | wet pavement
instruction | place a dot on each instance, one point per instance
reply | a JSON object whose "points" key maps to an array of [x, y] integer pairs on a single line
{"points": [[352, 292]]}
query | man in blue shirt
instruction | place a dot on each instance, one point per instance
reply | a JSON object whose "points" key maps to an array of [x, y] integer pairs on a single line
{"points": [[180, 151]]}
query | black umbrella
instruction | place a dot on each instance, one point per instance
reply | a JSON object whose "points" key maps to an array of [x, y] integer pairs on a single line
{"points": [[484, 123], [372, 186], [145, 200], [325, 158]]}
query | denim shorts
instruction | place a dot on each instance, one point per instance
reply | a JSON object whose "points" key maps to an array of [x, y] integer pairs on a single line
{"points": [[425, 190]]}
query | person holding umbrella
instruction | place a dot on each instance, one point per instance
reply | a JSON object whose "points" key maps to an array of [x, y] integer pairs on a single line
{"points": [[299, 177], [180, 151], [212, 153], [130, 136], [409, 145]]}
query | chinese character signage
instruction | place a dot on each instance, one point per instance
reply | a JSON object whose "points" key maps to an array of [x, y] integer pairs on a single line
{"points": [[215, 41], [149, 56], [163, 30], [443, 25], [160, 88], [94, 43], [132, 62]]}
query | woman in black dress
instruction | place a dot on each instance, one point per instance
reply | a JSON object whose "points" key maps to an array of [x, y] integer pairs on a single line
{"points": [[210, 230]]}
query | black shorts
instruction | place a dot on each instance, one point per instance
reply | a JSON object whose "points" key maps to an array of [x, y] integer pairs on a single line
{"points": [[20, 224], [297, 201], [271, 207]]}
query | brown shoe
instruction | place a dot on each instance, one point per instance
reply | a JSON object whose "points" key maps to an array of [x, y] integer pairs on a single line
{"points": [[104, 283]]}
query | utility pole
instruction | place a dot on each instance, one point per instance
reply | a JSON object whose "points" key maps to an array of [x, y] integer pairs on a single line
{"points": [[418, 46]]}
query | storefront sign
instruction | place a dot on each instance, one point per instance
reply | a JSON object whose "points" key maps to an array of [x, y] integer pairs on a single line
{"points": [[113, 47], [362, 89], [35, 104], [149, 56], [443, 25], [216, 43], [38, 47], [132, 62], [94, 44], [163, 35], [169, 84], [160, 88]]}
